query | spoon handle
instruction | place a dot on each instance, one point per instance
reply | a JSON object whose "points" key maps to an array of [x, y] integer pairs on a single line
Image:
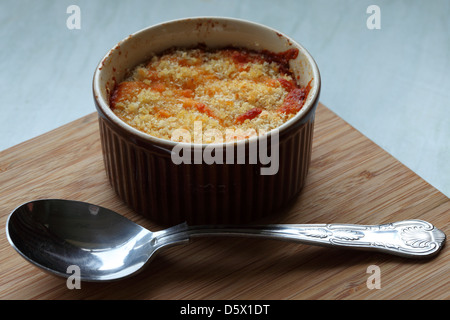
{"points": [[409, 238]]}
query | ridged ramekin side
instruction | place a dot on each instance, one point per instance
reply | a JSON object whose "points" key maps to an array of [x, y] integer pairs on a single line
{"points": [[149, 181]]}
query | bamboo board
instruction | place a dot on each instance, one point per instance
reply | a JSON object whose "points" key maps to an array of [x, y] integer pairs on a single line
{"points": [[351, 180]]}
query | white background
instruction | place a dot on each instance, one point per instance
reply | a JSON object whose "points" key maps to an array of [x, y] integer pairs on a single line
{"points": [[392, 84]]}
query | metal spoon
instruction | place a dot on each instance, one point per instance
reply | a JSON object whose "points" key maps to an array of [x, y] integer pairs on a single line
{"points": [[55, 234]]}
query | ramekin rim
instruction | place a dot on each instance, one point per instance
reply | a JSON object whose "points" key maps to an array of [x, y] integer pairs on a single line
{"points": [[104, 106]]}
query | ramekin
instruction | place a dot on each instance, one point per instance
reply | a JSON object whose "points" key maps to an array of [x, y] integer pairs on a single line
{"points": [[140, 167]]}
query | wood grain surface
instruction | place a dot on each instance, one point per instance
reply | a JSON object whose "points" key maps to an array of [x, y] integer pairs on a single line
{"points": [[351, 180]]}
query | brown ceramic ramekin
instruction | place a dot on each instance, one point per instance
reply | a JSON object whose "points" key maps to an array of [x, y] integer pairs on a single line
{"points": [[141, 168]]}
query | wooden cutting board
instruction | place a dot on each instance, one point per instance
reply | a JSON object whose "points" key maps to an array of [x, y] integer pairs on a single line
{"points": [[351, 180]]}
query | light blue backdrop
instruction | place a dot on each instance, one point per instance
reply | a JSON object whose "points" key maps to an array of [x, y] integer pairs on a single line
{"points": [[391, 84]]}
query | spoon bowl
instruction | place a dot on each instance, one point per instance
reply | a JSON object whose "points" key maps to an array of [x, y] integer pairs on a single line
{"points": [[56, 234]]}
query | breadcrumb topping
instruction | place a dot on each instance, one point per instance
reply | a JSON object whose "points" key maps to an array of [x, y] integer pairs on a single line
{"points": [[236, 92]]}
